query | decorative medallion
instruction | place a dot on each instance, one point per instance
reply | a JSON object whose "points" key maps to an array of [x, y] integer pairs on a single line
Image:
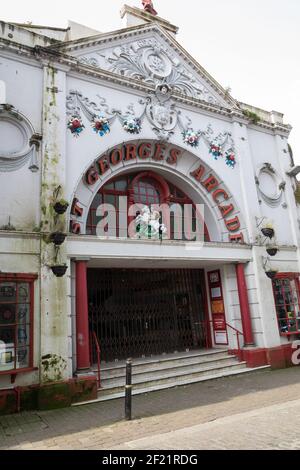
{"points": [[270, 186], [157, 63], [161, 112], [18, 142]]}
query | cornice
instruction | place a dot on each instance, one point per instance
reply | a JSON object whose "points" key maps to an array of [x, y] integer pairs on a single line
{"points": [[52, 55]]}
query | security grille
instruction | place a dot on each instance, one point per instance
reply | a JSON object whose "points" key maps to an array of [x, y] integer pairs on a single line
{"points": [[146, 312]]}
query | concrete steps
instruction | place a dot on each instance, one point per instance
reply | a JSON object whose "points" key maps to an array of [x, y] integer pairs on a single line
{"points": [[168, 371]]}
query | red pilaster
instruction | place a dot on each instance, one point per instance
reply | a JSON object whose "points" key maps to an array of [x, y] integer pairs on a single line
{"points": [[82, 317], [244, 305]]}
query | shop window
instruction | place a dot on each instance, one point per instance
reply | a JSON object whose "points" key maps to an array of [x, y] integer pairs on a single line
{"points": [[287, 295], [16, 316]]}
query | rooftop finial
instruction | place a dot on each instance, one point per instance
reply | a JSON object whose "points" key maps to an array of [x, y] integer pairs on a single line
{"points": [[148, 6]]}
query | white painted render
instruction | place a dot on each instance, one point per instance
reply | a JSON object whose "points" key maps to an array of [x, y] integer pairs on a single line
{"points": [[38, 81]]}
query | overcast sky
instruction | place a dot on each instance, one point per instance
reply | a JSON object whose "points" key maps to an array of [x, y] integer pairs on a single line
{"points": [[250, 46]]}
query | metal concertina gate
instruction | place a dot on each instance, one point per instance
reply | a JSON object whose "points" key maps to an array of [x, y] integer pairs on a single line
{"points": [[137, 313]]}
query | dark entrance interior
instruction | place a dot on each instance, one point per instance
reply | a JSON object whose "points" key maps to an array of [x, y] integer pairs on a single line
{"points": [[138, 313]]}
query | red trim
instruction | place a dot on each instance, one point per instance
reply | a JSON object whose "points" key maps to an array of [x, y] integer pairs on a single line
{"points": [[31, 330], [287, 276], [14, 372], [244, 305], [82, 317], [206, 312], [18, 277], [217, 318], [278, 358]]}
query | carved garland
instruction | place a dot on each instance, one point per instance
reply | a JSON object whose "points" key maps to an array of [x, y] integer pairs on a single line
{"points": [[160, 111]]}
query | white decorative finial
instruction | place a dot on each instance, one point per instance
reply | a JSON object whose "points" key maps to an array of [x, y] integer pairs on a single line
{"points": [[148, 6]]}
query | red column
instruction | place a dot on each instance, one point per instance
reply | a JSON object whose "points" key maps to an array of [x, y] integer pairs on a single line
{"points": [[244, 305], [82, 317]]}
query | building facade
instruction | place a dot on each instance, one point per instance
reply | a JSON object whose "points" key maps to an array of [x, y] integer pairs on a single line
{"points": [[124, 118]]}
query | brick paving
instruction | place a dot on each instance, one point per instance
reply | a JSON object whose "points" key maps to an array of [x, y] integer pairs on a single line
{"points": [[254, 411]]}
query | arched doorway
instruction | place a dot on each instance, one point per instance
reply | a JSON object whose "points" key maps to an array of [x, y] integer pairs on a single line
{"points": [[144, 312]]}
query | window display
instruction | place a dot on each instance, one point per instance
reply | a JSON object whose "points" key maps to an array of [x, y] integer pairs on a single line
{"points": [[286, 294], [15, 322]]}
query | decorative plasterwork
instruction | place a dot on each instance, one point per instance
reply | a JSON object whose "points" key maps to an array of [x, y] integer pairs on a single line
{"points": [[162, 114], [153, 62], [75, 68], [21, 144], [274, 195]]}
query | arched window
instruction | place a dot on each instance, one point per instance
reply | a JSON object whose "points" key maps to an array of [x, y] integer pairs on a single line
{"points": [[146, 192], [146, 189]]}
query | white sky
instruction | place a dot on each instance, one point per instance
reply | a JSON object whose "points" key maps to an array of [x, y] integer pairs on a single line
{"points": [[252, 46]]}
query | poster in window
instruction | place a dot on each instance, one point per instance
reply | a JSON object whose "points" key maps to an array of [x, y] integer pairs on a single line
{"points": [[221, 337], [6, 356], [216, 292], [7, 291], [217, 306], [214, 278], [219, 322]]}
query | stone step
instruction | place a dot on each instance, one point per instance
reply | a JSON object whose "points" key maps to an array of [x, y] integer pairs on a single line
{"points": [[139, 365], [148, 380], [174, 368], [178, 383]]}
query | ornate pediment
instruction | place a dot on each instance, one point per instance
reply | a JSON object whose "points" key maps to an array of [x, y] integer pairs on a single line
{"points": [[153, 57]]}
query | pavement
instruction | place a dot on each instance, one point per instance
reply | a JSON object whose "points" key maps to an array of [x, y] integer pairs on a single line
{"points": [[257, 411]]}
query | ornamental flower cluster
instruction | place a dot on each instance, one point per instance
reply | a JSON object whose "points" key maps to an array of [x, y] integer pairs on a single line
{"points": [[191, 138], [101, 125], [215, 150], [75, 125], [132, 125], [230, 159]]}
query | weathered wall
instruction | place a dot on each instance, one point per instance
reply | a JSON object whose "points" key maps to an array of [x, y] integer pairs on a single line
{"points": [[54, 290], [20, 189]]}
